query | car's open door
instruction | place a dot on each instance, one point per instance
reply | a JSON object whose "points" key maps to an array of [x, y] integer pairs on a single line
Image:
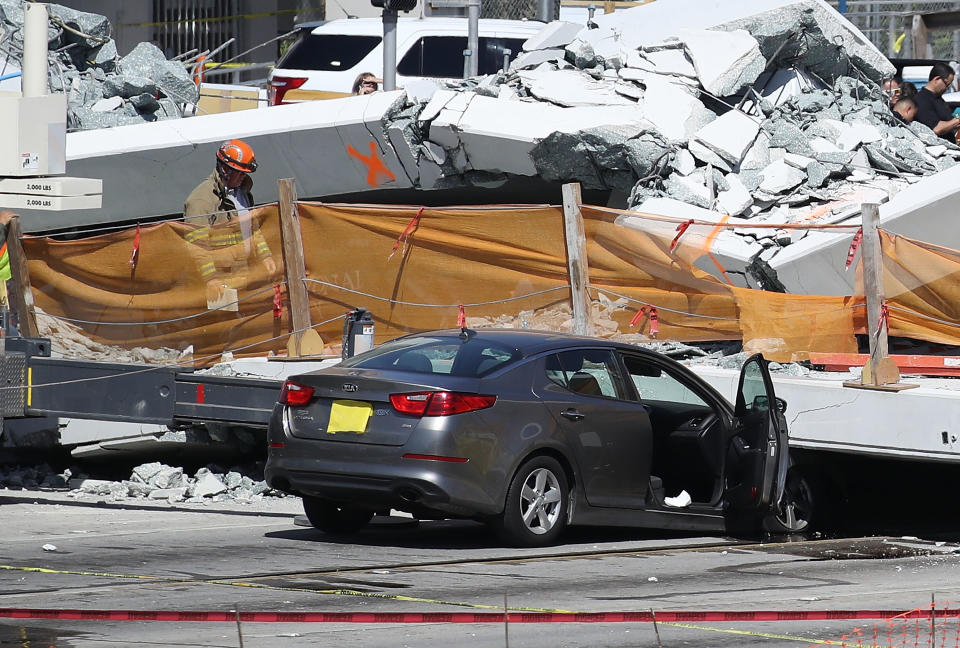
{"points": [[757, 455]]}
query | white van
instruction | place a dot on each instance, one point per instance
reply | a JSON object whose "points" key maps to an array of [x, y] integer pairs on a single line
{"points": [[326, 60]]}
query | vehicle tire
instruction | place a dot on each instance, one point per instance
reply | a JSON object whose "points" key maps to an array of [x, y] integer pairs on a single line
{"points": [[535, 510], [798, 505], [333, 518]]}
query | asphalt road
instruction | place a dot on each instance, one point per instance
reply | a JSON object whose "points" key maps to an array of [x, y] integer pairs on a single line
{"points": [[224, 557]]}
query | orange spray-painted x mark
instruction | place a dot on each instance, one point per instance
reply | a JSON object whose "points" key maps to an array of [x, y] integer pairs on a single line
{"points": [[374, 162]]}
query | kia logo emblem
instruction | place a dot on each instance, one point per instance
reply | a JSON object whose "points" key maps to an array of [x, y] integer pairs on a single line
{"points": [[350, 387]]}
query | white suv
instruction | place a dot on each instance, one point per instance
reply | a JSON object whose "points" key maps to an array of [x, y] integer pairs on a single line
{"points": [[325, 60]]}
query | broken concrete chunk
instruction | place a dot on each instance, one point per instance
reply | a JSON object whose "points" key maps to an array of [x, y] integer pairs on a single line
{"points": [[779, 176], [107, 104], [730, 135], [606, 45], [128, 85], [683, 162], [528, 60], [666, 61], [817, 174], [707, 156], [89, 23], [574, 88], [171, 77], [169, 494], [787, 135], [736, 199], [688, 189], [725, 62], [798, 161], [673, 111], [581, 54], [206, 485], [556, 34]]}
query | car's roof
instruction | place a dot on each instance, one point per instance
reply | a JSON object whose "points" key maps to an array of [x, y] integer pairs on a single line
{"points": [[529, 341], [405, 26]]}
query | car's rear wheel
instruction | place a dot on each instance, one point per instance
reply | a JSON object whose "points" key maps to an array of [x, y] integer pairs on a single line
{"points": [[797, 506], [535, 512], [334, 518]]}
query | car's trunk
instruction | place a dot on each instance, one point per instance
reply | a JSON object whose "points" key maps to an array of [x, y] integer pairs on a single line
{"points": [[353, 406]]}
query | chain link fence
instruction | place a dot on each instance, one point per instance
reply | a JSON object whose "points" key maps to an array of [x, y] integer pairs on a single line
{"points": [[887, 24], [515, 9]]}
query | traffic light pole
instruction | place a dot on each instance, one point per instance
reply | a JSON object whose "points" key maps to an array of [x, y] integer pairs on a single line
{"points": [[389, 49]]}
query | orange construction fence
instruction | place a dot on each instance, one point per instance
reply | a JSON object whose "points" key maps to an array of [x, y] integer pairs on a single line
{"points": [[176, 285]]}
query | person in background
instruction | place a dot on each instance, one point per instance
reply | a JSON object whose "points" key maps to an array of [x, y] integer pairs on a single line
{"points": [[891, 88], [225, 235], [932, 110], [905, 110], [908, 90], [366, 83]]}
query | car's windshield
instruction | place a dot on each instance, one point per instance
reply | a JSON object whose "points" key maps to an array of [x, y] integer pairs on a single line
{"points": [[331, 52], [474, 357]]}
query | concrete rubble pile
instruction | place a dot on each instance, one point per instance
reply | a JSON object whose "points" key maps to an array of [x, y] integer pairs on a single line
{"points": [[150, 481], [69, 341], [103, 89], [763, 111], [727, 355]]}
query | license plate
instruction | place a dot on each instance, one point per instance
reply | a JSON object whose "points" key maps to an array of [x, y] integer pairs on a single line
{"points": [[349, 416]]}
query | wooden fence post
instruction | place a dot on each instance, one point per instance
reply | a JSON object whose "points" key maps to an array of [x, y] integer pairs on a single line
{"points": [[880, 371], [21, 292], [577, 259], [305, 340]]}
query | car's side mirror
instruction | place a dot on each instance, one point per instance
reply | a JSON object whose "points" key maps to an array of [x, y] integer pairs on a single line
{"points": [[761, 402]]}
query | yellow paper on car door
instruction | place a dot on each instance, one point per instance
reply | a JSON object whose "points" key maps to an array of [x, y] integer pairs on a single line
{"points": [[349, 416]]}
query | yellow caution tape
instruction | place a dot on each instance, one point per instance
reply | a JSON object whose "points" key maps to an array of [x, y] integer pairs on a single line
{"points": [[749, 633]]}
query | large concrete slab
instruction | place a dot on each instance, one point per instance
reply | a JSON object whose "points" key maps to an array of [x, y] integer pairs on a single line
{"points": [[149, 169], [921, 423], [769, 21], [924, 211], [721, 247]]}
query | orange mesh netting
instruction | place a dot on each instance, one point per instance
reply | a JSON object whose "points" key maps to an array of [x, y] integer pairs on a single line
{"points": [[412, 268]]}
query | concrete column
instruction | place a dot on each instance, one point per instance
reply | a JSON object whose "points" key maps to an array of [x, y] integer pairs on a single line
{"points": [[34, 81]]}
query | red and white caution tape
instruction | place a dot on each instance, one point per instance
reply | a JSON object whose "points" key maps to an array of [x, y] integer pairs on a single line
{"points": [[230, 616], [405, 234], [854, 245]]}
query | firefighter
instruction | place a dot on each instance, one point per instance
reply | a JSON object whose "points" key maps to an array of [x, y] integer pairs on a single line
{"points": [[225, 236]]}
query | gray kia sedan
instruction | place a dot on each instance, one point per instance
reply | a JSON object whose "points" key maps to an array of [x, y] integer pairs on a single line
{"points": [[530, 432]]}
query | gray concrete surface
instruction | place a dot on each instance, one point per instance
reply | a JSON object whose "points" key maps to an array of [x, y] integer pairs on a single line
{"points": [[221, 556]]}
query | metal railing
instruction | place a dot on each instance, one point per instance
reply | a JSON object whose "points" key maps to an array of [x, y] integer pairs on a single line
{"points": [[200, 25]]}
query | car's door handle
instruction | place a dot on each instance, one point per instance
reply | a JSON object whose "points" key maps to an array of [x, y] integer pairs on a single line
{"points": [[572, 414]]}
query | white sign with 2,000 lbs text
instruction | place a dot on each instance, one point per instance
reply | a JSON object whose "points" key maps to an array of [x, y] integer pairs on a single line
{"points": [[49, 203], [52, 186]]}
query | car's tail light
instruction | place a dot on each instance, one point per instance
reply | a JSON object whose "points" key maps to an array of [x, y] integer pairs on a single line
{"points": [[441, 403], [295, 394], [280, 85]]}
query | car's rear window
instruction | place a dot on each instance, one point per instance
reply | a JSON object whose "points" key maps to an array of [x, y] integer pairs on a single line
{"points": [[472, 358], [330, 52]]}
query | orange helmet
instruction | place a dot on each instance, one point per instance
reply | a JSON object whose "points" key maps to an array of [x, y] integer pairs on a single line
{"points": [[238, 155]]}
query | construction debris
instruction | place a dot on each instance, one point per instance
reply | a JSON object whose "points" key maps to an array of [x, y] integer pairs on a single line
{"points": [[102, 88], [153, 481], [69, 341], [732, 109]]}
